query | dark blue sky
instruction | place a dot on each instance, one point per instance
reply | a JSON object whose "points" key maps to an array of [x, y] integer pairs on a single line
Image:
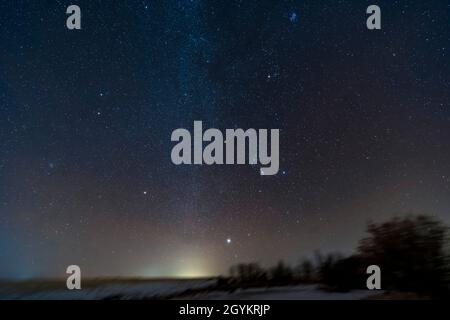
{"points": [[86, 118]]}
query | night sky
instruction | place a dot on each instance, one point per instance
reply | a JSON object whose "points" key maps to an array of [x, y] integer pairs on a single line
{"points": [[86, 118]]}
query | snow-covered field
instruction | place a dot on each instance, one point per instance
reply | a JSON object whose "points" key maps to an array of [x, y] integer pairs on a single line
{"points": [[108, 290], [298, 292], [178, 289]]}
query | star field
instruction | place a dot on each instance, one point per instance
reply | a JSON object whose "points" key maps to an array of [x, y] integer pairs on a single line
{"points": [[86, 117]]}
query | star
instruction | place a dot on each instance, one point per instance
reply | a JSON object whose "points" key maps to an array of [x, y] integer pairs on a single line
{"points": [[293, 17]]}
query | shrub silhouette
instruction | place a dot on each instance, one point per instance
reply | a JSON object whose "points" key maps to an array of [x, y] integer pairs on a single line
{"points": [[281, 274], [305, 272], [248, 274], [338, 273], [345, 274]]}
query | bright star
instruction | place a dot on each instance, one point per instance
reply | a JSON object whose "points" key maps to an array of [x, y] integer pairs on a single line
{"points": [[228, 241]]}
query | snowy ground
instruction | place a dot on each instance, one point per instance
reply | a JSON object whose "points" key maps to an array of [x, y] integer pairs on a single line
{"points": [[299, 292], [163, 289], [115, 289]]}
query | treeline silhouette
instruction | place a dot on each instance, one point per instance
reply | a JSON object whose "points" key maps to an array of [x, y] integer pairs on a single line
{"points": [[411, 253]]}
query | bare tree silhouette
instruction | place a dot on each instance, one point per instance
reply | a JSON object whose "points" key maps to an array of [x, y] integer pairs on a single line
{"points": [[410, 252]]}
